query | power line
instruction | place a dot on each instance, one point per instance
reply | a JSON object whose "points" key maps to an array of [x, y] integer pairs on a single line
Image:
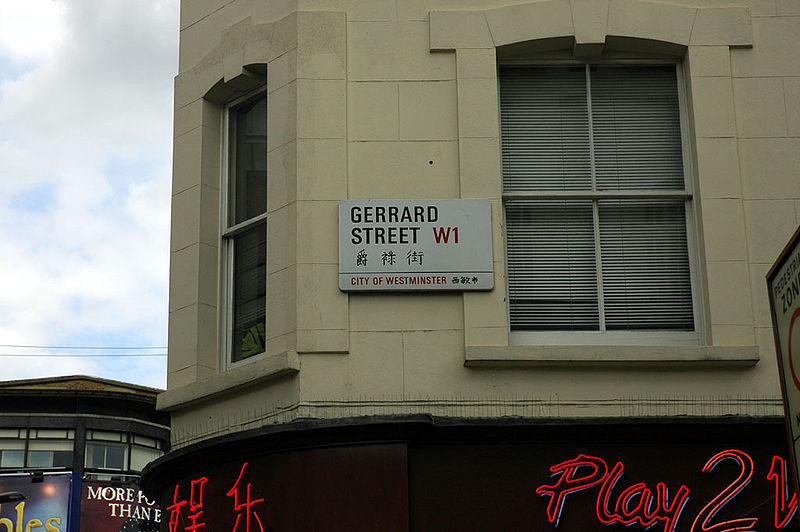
{"points": [[79, 347], [82, 355]]}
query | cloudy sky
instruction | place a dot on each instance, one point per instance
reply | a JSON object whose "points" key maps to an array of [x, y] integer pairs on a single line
{"points": [[85, 155]]}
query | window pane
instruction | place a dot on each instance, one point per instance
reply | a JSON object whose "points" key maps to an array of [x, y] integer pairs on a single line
{"points": [[646, 281], [40, 459], [50, 433], [552, 277], [248, 151], [141, 456], [636, 127], [249, 292], [545, 128], [50, 459], [108, 436], [147, 442], [115, 458], [95, 455], [62, 458], [50, 445], [105, 456], [12, 458]]}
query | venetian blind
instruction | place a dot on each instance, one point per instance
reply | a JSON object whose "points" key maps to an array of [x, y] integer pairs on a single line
{"points": [[577, 258]]}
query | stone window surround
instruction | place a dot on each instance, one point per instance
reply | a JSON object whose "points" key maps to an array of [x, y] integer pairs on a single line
{"points": [[246, 52], [699, 34]]}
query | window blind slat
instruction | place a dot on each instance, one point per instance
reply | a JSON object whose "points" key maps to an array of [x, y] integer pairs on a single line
{"points": [[646, 278], [636, 128], [545, 128], [250, 277], [552, 276]]}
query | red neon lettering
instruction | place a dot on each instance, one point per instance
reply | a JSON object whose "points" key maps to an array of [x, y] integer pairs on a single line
{"points": [[634, 505], [647, 511], [569, 482], [196, 503], [716, 504], [603, 514], [175, 510], [785, 507], [638, 490], [638, 504], [234, 491]]}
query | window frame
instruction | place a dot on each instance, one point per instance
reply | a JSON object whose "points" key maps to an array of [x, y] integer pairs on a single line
{"points": [[127, 441], [35, 439], [616, 337], [227, 233], [106, 445], [40, 441]]}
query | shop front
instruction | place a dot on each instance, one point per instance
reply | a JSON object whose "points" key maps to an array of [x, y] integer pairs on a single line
{"points": [[417, 474]]}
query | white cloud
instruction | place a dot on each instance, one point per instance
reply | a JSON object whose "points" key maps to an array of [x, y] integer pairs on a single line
{"points": [[85, 140], [30, 30]]}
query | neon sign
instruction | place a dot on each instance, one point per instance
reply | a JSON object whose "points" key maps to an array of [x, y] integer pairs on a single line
{"points": [[644, 487], [646, 506], [195, 508], [237, 506], [785, 506]]}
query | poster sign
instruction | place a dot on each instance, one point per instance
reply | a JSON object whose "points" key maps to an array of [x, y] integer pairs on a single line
{"points": [[117, 507], [783, 283], [397, 245], [44, 508]]}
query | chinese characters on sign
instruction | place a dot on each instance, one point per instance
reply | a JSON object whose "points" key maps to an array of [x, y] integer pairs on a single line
{"points": [[388, 245], [187, 514]]}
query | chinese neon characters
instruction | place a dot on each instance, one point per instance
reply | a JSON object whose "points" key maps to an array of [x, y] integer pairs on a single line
{"points": [[244, 518]]}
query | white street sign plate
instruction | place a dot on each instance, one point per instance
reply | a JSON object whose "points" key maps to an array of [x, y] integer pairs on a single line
{"points": [[393, 245]]}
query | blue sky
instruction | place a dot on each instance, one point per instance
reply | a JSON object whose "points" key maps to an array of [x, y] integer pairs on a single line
{"points": [[85, 158]]}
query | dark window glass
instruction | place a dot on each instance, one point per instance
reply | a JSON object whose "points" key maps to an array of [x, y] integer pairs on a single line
{"points": [[247, 200]]}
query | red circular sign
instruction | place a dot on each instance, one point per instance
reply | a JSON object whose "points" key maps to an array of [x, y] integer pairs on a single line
{"points": [[794, 352]]}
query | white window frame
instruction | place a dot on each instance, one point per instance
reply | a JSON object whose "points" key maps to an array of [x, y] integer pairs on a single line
{"points": [[227, 232], [604, 337], [106, 445]]}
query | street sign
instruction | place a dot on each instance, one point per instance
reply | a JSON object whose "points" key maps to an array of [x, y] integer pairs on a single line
{"points": [[783, 283], [421, 245]]}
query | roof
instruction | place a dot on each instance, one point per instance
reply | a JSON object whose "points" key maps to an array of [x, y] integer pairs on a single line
{"points": [[77, 383]]}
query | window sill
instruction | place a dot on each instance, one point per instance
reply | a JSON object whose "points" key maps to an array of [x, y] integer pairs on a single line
{"points": [[613, 356], [271, 367]]}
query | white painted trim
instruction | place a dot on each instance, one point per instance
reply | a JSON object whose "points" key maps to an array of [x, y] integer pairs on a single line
{"points": [[225, 290], [612, 355]]}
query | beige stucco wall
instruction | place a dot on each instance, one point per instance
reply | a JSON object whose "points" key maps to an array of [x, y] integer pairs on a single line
{"points": [[362, 96]]}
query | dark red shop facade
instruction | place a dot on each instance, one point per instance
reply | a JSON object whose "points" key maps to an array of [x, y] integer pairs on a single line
{"points": [[428, 474]]}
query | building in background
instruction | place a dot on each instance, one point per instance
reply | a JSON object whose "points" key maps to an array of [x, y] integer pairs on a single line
{"points": [[75, 447], [479, 265]]}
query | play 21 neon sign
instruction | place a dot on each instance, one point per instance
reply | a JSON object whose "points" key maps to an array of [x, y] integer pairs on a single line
{"points": [[649, 506]]}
